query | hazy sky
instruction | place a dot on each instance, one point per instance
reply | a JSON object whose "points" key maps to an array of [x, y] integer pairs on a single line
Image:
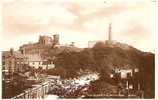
{"points": [[133, 22]]}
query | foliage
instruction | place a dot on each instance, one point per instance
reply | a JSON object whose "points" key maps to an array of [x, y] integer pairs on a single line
{"points": [[103, 58]]}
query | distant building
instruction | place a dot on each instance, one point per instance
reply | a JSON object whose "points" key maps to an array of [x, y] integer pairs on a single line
{"points": [[34, 51], [45, 40], [13, 61], [44, 43], [35, 60], [130, 76], [56, 39], [124, 73]]}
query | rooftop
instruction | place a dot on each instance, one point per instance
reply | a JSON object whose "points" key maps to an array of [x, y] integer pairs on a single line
{"points": [[15, 54]]}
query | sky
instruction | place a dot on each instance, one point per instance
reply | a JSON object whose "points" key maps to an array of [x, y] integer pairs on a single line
{"points": [[133, 21]]}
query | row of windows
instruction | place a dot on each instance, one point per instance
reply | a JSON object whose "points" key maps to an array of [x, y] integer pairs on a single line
{"points": [[33, 63]]}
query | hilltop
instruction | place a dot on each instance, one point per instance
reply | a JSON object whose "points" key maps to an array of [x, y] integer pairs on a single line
{"points": [[103, 58]]}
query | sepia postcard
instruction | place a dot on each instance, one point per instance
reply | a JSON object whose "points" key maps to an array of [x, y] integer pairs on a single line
{"points": [[78, 49]]}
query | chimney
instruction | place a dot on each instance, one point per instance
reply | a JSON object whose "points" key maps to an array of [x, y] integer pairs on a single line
{"points": [[56, 38], [11, 51], [22, 51]]}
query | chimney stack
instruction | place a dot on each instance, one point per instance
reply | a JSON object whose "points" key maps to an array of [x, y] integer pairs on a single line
{"points": [[11, 51], [56, 38]]}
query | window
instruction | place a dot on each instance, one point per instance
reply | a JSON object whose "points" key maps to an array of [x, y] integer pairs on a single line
{"points": [[3, 63]]}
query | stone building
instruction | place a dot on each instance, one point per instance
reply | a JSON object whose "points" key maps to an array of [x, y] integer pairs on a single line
{"points": [[13, 61], [34, 51], [35, 61], [45, 42]]}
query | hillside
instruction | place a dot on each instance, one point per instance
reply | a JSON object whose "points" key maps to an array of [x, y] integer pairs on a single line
{"points": [[104, 57]]}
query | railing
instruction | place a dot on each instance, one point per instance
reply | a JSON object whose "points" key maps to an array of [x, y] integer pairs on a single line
{"points": [[38, 91]]}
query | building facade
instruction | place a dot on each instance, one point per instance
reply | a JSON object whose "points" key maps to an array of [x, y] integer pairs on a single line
{"points": [[13, 61], [44, 43]]}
